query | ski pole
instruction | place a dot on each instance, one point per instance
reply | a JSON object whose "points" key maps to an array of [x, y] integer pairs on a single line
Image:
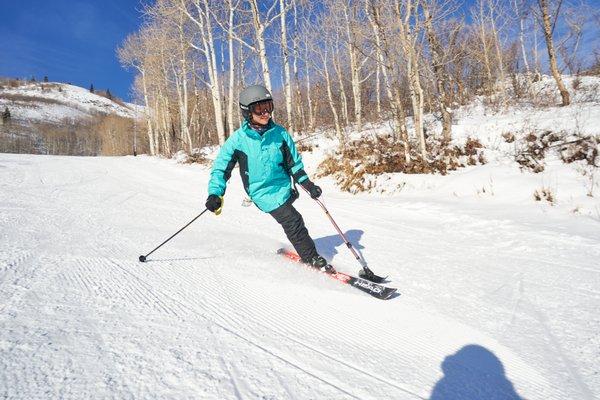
{"points": [[143, 258], [367, 273]]}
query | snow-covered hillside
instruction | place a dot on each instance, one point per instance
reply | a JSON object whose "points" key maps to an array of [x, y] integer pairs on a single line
{"points": [[56, 102], [499, 292], [501, 182], [497, 302]]}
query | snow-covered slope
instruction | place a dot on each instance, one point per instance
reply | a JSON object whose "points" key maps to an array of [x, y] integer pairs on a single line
{"points": [[502, 182], [496, 303], [54, 102]]}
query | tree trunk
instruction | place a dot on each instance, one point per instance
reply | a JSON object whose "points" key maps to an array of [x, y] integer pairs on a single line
{"points": [[564, 93], [441, 77], [354, 71], [374, 15], [336, 119], [343, 97], [259, 30], [408, 44], [484, 44], [152, 142], [230, 99], [287, 84]]}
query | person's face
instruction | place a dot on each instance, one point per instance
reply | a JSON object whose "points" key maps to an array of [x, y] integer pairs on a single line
{"points": [[261, 112]]}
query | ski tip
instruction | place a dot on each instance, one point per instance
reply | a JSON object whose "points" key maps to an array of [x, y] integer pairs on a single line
{"points": [[392, 295]]}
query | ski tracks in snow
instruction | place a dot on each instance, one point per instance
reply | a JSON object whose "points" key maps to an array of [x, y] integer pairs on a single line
{"points": [[217, 315]]}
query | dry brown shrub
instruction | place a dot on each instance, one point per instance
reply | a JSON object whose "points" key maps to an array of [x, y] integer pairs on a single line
{"points": [[11, 83], [305, 146], [29, 99], [196, 158], [380, 155], [544, 194], [508, 137], [534, 148], [583, 148], [115, 133]]}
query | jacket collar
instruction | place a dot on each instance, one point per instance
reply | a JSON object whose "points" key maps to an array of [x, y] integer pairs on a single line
{"points": [[252, 133]]}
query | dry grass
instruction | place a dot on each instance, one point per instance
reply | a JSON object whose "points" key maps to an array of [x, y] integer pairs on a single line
{"points": [[544, 194], [29, 99], [533, 149], [351, 167]]}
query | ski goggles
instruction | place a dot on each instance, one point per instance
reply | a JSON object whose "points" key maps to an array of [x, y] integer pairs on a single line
{"points": [[262, 107]]}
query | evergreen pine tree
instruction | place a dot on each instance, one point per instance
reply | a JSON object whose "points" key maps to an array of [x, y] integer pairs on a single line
{"points": [[45, 78], [92, 88], [108, 95]]}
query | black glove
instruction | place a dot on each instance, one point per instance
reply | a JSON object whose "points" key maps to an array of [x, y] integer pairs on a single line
{"points": [[313, 189], [213, 202]]}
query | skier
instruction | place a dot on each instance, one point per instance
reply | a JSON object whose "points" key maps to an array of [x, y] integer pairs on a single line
{"points": [[268, 161]]}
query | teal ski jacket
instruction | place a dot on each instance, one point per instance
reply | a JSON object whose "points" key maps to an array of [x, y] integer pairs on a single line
{"points": [[266, 163]]}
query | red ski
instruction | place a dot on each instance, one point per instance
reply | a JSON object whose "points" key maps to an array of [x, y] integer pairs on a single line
{"points": [[374, 289]]}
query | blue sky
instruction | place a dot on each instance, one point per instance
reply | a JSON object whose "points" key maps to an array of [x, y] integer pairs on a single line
{"points": [[68, 41], [75, 41]]}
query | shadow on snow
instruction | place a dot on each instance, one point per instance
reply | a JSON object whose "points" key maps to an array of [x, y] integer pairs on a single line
{"points": [[473, 373], [327, 246]]}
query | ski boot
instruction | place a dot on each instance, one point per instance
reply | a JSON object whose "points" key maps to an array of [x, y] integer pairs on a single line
{"points": [[322, 265]]}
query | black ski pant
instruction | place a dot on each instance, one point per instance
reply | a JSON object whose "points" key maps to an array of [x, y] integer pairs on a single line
{"points": [[293, 226]]}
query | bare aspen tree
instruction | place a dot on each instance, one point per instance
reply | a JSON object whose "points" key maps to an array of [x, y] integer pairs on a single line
{"points": [[260, 27], [480, 19], [319, 57], [305, 32], [287, 84], [493, 10], [296, 55], [547, 27], [169, 26], [442, 81], [181, 75], [325, 72], [134, 53], [162, 100], [374, 13], [232, 6], [378, 56], [198, 12], [337, 66], [576, 18], [356, 63], [536, 59], [406, 12], [260, 22], [521, 11], [309, 101]]}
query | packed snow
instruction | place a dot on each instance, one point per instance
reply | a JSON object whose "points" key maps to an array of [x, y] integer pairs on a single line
{"points": [[497, 302], [498, 292]]}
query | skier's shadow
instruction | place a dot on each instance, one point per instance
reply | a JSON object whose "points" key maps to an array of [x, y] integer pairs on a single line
{"points": [[473, 373], [327, 246]]}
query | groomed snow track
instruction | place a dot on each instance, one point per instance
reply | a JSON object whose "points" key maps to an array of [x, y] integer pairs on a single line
{"points": [[491, 307]]}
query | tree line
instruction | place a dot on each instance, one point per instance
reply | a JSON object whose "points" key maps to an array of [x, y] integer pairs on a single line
{"points": [[340, 63]]}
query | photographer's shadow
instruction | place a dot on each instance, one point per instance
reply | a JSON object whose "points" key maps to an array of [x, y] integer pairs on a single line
{"points": [[328, 246], [473, 373]]}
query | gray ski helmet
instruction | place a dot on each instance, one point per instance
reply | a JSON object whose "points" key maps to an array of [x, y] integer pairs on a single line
{"points": [[253, 94]]}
